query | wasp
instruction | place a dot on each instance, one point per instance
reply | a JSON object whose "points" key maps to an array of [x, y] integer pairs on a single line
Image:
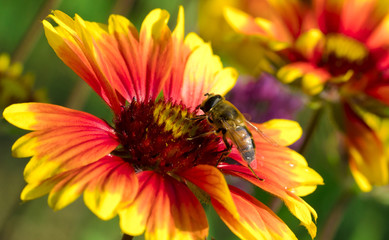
{"points": [[228, 121]]}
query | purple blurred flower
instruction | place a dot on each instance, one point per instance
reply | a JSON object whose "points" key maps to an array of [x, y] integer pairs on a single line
{"points": [[264, 99]]}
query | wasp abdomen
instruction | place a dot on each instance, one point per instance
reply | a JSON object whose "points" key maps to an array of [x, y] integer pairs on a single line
{"points": [[246, 145]]}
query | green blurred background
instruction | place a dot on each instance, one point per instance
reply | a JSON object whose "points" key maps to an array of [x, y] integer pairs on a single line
{"points": [[360, 215]]}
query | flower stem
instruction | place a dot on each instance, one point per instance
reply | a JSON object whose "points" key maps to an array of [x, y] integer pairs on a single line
{"points": [[31, 36], [78, 96], [275, 204], [127, 237], [123, 7], [14, 211], [335, 217], [315, 117]]}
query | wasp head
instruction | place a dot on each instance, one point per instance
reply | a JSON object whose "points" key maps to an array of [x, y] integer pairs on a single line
{"points": [[210, 101]]}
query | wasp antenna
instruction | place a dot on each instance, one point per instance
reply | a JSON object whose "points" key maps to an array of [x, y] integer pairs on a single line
{"points": [[252, 170], [267, 138]]}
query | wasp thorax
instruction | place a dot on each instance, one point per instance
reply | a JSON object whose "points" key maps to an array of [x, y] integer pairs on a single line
{"points": [[162, 136]]}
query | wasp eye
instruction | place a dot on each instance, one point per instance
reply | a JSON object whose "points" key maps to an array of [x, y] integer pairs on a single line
{"points": [[210, 102]]}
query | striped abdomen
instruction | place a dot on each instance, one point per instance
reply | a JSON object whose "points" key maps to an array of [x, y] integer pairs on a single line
{"points": [[244, 142]]}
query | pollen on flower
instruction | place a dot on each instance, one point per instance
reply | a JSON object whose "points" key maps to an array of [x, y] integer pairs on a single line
{"points": [[162, 136], [344, 53], [346, 47]]}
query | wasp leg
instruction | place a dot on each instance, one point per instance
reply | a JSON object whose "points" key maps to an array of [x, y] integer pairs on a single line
{"points": [[226, 151], [198, 117], [252, 171], [202, 135]]}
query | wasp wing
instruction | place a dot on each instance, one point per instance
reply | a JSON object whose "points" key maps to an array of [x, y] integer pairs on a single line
{"points": [[263, 135], [242, 138]]}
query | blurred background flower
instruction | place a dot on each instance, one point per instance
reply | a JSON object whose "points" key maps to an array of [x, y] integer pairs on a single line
{"points": [[327, 52], [336, 52], [16, 86], [242, 51], [264, 98]]}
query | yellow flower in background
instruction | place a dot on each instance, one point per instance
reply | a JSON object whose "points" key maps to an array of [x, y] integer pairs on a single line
{"points": [[244, 52], [153, 164], [337, 51], [15, 86]]}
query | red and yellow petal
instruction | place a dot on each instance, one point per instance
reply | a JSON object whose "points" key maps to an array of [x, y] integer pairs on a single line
{"points": [[280, 163], [380, 36], [360, 18], [118, 54], [285, 172], [115, 57], [328, 14], [276, 35], [111, 191], [156, 52], [292, 13], [195, 70], [302, 210], [108, 184], [41, 116], [286, 167], [282, 131], [367, 158], [310, 44], [313, 78], [257, 219], [181, 51], [204, 73], [293, 71], [212, 181], [73, 42], [244, 23], [379, 92], [164, 209], [63, 138]]}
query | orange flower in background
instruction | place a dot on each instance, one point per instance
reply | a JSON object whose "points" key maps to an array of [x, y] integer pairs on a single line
{"points": [[154, 164], [337, 51], [244, 52], [16, 86]]}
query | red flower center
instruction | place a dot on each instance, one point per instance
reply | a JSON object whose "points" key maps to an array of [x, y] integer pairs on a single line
{"points": [[343, 53], [161, 136]]}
